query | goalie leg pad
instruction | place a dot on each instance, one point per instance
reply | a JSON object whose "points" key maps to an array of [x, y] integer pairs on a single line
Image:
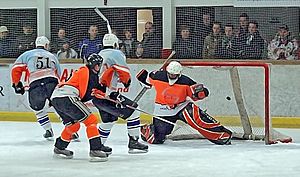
{"points": [[156, 133], [147, 133], [206, 125]]}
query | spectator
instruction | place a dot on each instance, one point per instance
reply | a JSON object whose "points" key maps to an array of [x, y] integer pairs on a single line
{"points": [[115, 32], [226, 46], [283, 46], [298, 51], [211, 41], [252, 46], [26, 40], [185, 46], [92, 44], [59, 41], [66, 51], [242, 31], [152, 43], [6, 43], [129, 44], [203, 30], [244, 23]]}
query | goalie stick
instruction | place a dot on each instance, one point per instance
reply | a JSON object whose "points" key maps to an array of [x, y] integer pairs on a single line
{"points": [[104, 18], [143, 91]]}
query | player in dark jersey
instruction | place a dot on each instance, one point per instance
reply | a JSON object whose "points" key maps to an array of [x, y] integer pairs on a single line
{"points": [[171, 103]]}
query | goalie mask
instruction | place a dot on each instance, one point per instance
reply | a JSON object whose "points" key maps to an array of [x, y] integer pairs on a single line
{"points": [[110, 40], [93, 60], [174, 70]]}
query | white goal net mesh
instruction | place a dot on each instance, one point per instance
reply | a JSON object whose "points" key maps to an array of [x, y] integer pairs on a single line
{"points": [[237, 99]]}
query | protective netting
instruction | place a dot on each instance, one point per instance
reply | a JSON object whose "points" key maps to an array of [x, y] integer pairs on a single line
{"points": [[18, 31], [198, 21], [79, 24], [231, 38], [237, 99]]}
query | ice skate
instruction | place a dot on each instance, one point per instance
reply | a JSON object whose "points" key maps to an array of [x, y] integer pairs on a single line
{"points": [[106, 149], [63, 153], [98, 156], [135, 146], [49, 135]]}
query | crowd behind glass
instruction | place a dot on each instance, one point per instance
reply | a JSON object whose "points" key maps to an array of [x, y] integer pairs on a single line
{"points": [[209, 40]]}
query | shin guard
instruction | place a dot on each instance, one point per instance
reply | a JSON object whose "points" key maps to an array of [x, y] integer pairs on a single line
{"points": [[91, 126], [69, 130]]}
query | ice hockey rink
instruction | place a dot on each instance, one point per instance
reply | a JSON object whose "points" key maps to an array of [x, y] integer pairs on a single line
{"points": [[24, 153]]}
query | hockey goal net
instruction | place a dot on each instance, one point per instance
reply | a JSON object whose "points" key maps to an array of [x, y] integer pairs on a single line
{"points": [[239, 98]]}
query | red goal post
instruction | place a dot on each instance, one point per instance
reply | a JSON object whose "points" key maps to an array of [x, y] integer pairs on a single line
{"points": [[269, 138]]}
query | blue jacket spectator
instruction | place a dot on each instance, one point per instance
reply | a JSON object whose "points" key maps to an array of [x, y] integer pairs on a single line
{"points": [[90, 45]]}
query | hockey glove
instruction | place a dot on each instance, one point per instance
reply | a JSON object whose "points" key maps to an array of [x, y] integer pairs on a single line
{"points": [[19, 88], [118, 97], [199, 92], [98, 93], [126, 85]]}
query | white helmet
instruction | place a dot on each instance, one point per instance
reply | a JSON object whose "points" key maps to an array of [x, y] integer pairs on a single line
{"points": [[110, 40], [41, 41], [174, 68]]}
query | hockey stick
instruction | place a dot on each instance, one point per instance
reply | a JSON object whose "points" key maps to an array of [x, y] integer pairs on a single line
{"points": [[137, 109], [104, 18], [143, 91]]}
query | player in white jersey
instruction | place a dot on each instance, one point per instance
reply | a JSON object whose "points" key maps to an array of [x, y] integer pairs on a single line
{"points": [[114, 69], [43, 71]]}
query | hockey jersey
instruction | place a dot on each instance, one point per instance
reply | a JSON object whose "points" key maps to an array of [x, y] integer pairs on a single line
{"points": [[170, 99], [79, 85], [114, 68], [38, 64]]}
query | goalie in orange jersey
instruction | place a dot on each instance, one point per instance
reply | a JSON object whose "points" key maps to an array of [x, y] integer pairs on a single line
{"points": [[172, 89]]}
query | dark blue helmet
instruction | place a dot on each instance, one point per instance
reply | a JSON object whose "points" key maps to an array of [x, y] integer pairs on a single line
{"points": [[94, 59]]}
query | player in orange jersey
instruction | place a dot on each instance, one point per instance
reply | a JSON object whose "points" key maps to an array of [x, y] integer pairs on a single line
{"points": [[68, 100]]}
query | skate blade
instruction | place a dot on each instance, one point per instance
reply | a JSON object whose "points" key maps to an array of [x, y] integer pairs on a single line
{"points": [[137, 151], [98, 159], [108, 153], [62, 156], [50, 139], [75, 140]]}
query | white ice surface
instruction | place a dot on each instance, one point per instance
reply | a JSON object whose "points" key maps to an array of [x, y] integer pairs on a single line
{"points": [[24, 153]]}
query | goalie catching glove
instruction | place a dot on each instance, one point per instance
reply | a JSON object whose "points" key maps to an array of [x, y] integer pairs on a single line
{"points": [[142, 78], [199, 92], [19, 88]]}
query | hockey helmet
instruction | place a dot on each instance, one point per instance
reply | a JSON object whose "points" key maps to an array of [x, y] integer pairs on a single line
{"points": [[42, 41], [110, 40], [174, 70], [94, 59]]}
